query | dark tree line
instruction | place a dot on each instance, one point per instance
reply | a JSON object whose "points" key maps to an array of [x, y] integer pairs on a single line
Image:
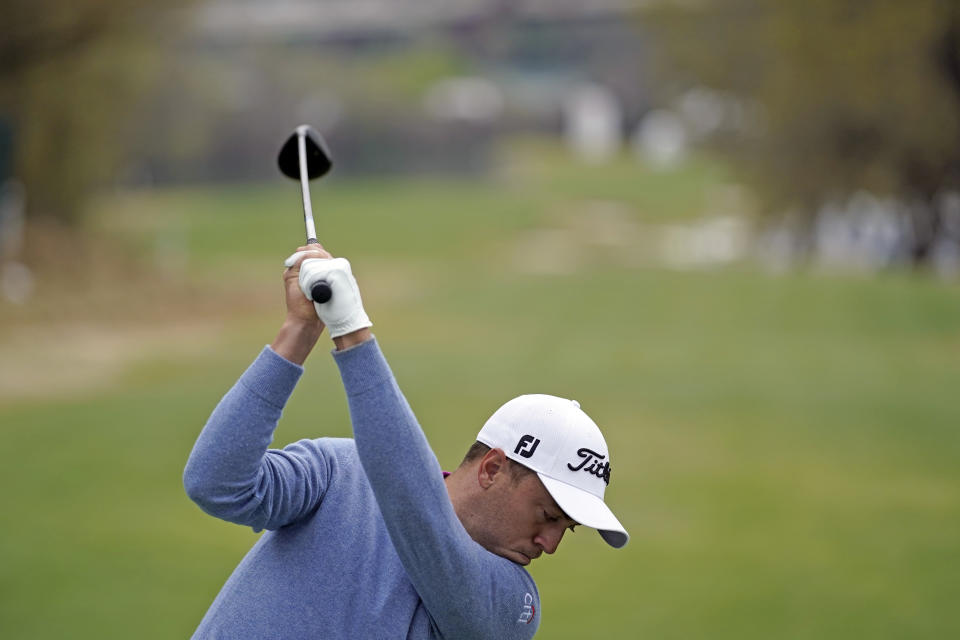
{"points": [[71, 72], [850, 95]]}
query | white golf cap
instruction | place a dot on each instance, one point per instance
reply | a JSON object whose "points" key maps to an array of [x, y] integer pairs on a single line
{"points": [[555, 438]]}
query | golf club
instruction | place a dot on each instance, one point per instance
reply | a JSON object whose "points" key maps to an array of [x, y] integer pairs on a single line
{"points": [[304, 157]]}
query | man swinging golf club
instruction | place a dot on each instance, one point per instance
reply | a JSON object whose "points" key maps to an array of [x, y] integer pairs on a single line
{"points": [[367, 537]]}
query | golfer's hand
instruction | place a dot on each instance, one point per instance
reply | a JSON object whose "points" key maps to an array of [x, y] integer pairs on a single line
{"points": [[302, 327], [343, 311], [299, 307]]}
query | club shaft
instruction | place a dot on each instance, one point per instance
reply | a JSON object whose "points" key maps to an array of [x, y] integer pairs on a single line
{"points": [[305, 189]]}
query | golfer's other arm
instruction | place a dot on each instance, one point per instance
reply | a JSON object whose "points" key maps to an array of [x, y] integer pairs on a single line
{"points": [[468, 591], [232, 475]]}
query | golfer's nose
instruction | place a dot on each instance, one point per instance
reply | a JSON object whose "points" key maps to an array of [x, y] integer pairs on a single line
{"points": [[549, 539]]}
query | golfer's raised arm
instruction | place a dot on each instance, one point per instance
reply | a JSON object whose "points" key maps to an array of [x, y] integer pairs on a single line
{"points": [[231, 474]]}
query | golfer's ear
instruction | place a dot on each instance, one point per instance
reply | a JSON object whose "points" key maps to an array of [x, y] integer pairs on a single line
{"points": [[493, 463]]}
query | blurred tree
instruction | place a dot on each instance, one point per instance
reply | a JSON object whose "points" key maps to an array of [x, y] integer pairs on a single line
{"points": [[70, 73], [848, 95]]}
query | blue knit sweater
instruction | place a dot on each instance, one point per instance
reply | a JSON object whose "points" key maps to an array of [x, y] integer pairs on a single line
{"points": [[362, 539]]}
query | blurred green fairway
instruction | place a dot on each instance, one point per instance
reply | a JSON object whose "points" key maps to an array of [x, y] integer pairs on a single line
{"points": [[786, 449]]}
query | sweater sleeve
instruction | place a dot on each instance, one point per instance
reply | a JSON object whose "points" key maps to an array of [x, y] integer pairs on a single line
{"points": [[468, 591], [232, 475]]}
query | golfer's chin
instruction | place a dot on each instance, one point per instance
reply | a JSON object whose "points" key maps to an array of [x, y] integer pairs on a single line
{"points": [[512, 555], [516, 556]]}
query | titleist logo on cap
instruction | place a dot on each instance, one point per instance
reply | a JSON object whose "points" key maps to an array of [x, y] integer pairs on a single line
{"points": [[596, 465]]}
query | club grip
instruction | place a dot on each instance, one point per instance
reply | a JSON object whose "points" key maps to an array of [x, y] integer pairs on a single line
{"points": [[320, 291]]}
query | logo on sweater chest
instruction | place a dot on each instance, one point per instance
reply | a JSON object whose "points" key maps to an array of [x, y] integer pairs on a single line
{"points": [[528, 611]]}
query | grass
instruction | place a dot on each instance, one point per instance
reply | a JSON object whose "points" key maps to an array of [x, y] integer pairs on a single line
{"points": [[785, 448]]}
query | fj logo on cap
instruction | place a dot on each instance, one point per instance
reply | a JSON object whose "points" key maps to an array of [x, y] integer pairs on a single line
{"points": [[525, 448], [596, 466]]}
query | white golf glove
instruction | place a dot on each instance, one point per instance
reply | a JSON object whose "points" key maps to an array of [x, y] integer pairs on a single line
{"points": [[343, 313]]}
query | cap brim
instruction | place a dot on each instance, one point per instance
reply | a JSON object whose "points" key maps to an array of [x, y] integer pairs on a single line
{"points": [[588, 510]]}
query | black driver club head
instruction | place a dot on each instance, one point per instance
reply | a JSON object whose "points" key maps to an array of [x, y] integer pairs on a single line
{"points": [[318, 156]]}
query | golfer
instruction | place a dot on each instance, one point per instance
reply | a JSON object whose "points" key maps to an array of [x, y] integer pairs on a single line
{"points": [[367, 538]]}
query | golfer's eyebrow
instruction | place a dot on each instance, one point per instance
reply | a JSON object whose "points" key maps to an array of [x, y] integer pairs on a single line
{"points": [[563, 514]]}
